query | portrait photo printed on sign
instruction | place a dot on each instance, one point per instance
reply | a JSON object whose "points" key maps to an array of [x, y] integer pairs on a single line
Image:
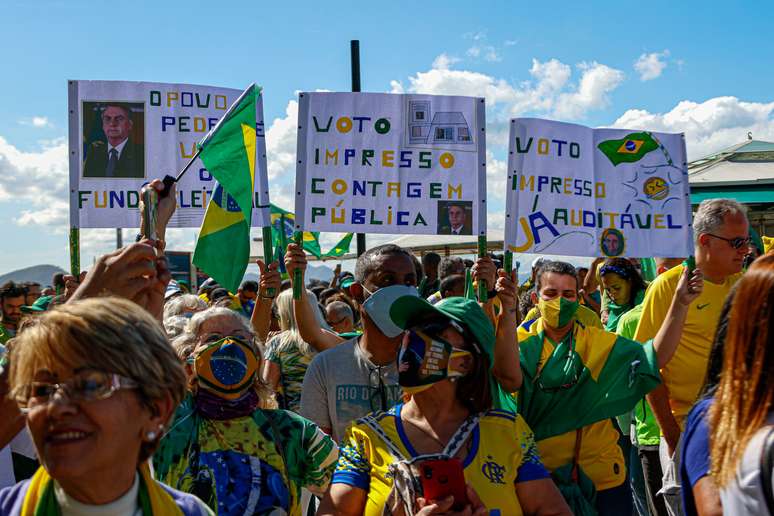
{"points": [[113, 139]]}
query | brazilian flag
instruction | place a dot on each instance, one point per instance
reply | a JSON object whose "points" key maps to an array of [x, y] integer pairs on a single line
{"points": [[629, 149], [228, 152], [283, 225], [341, 248]]}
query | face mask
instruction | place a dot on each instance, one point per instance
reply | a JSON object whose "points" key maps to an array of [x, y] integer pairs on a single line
{"points": [[377, 306], [226, 368], [424, 361], [557, 312]]}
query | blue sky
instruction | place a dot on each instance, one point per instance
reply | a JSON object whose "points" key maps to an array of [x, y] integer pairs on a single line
{"points": [[701, 68]]}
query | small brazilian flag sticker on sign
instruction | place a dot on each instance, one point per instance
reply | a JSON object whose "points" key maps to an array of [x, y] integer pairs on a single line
{"points": [[632, 148]]}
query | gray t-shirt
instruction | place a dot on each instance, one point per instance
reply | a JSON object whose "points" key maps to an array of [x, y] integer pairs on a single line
{"points": [[744, 495], [341, 385]]}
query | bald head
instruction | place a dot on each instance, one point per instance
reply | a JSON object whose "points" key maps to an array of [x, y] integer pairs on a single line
{"points": [[340, 317]]}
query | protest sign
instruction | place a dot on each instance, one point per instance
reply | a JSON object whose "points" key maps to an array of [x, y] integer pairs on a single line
{"points": [[577, 191], [383, 163], [124, 134]]}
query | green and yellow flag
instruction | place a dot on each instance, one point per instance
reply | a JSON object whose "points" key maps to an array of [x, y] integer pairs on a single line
{"points": [[629, 149], [228, 152], [341, 248], [283, 227]]}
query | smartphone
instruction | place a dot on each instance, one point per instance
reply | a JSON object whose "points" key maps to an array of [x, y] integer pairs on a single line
{"points": [[442, 478], [691, 264], [150, 203]]}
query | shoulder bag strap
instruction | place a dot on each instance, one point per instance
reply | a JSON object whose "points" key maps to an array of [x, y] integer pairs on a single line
{"points": [[576, 454], [766, 464]]}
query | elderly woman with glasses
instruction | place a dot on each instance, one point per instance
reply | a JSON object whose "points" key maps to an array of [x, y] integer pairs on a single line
{"points": [[98, 382], [224, 445], [445, 371]]}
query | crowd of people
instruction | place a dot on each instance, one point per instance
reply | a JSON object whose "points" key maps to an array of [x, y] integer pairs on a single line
{"points": [[630, 386]]}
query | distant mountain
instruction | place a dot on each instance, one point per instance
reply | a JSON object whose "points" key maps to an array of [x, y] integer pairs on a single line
{"points": [[38, 273]]}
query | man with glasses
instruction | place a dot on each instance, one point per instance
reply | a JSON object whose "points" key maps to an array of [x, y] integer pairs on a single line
{"points": [[340, 317], [721, 239], [577, 377]]}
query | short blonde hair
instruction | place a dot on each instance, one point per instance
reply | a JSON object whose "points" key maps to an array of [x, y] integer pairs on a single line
{"points": [[108, 334]]}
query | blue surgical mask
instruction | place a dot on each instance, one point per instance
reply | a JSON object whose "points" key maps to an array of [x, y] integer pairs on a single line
{"points": [[377, 306]]}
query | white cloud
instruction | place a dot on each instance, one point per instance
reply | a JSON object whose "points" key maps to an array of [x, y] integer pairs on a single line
{"points": [[597, 82], [548, 92], [487, 52], [281, 156], [709, 126], [37, 121], [444, 61], [510, 42], [36, 180], [650, 66]]}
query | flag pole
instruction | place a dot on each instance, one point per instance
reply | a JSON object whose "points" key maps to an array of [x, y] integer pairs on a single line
{"points": [[169, 180], [354, 55], [268, 253]]}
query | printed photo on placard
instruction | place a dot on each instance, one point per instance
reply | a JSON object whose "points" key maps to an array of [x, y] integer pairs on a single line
{"points": [[113, 140], [455, 217]]}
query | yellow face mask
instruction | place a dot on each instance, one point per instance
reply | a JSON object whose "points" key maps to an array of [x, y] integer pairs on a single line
{"points": [[557, 312]]}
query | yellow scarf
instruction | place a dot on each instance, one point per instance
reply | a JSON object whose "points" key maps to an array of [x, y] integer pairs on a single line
{"points": [[41, 501]]}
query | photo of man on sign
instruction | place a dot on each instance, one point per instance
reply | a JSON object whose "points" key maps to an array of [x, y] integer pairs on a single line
{"points": [[113, 139], [455, 217], [612, 242]]}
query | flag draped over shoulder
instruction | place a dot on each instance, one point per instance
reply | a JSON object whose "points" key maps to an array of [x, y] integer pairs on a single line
{"points": [[229, 154]]}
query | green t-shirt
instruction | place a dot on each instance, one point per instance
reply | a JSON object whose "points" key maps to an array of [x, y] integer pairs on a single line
{"points": [[647, 431]]}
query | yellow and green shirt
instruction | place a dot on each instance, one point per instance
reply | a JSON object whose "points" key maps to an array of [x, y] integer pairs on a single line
{"points": [[685, 373], [581, 382], [502, 452]]}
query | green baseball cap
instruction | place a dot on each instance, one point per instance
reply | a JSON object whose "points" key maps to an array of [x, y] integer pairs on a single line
{"points": [[40, 305], [409, 311]]}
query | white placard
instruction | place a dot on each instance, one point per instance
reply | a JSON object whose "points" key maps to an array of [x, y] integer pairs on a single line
{"points": [[154, 129], [384, 163], [577, 191]]}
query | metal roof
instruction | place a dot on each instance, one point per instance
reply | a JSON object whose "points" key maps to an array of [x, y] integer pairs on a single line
{"points": [[745, 164]]}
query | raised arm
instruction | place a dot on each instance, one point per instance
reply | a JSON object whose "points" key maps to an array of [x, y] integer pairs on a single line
{"points": [[507, 366], [308, 327], [268, 289], [668, 336]]}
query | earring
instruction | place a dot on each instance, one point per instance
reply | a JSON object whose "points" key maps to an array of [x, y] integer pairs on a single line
{"points": [[151, 436]]}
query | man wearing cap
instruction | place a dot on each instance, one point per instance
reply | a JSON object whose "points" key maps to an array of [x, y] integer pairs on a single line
{"points": [[360, 375], [577, 377]]}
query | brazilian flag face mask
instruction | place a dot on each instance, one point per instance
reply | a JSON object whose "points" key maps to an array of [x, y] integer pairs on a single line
{"points": [[557, 312], [226, 368]]}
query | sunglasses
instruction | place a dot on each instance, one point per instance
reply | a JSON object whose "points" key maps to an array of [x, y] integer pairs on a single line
{"points": [[735, 243]]}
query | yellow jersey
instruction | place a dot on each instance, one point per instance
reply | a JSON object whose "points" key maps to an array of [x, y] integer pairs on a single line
{"points": [[685, 373], [501, 453]]}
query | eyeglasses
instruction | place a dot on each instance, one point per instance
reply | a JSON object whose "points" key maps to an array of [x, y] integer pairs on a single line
{"points": [[334, 323], [84, 386], [735, 243], [377, 391]]}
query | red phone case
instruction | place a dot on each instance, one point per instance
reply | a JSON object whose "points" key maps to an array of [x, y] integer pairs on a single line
{"points": [[444, 477]]}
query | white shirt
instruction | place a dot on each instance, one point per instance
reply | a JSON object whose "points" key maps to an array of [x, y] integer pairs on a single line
{"points": [[126, 505], [119, 148], [744, 495], [457, 231]]}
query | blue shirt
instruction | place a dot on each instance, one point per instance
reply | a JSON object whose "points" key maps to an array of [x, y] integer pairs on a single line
{"points": [[694, 453]]}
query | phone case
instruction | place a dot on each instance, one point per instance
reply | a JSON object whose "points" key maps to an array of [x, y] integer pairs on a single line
{"points": [[441, 478]]}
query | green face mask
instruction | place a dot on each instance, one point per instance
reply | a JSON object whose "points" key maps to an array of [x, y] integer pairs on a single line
{"points": [[557, 312]]}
